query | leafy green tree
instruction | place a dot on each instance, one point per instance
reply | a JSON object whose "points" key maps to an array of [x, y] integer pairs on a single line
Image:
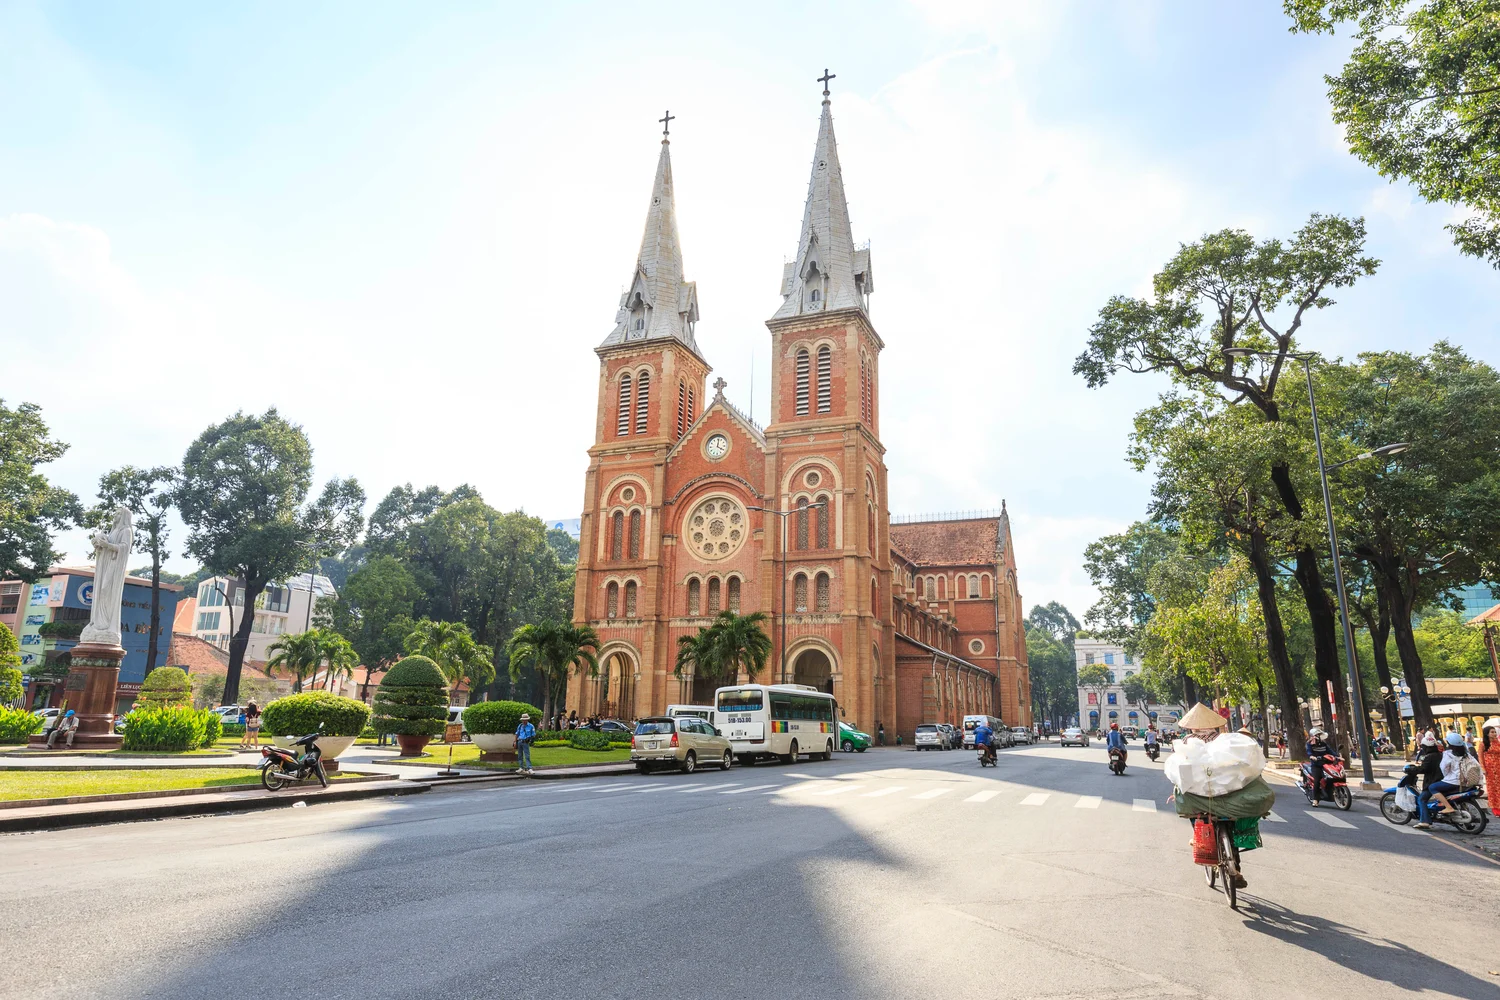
{"points": [[720, 650], [1418, 100], [374, 610], [1451, 647], [303, 653], [147, 493], [452, 647], [554, 649], [31, 508], [1120, 566], [1094, 677], [11, 689], [166, 687], [563, 544], [243, 494], [1050, 630]]}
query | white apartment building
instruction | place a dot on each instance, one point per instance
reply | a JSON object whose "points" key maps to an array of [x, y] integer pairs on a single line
{"points": [[282, 609], [1115, 706]]}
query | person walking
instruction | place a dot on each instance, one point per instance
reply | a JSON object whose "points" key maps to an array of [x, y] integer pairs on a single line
{"points": [[525, 733], [1488, 753], [880, 734]]}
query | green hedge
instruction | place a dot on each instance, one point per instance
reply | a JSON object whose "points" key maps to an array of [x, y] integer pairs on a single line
{"points": [[167, 729], [412, 699], [300, 714], [549, 743], [587, 739], [231, 729], [18, 725], [166, 687], [486, 717], [213, 728]]}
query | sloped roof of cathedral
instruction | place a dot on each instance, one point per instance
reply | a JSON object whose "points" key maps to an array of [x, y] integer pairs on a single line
{"points": [[658, 304], [750, 427], [949, 543], [826, 260]]}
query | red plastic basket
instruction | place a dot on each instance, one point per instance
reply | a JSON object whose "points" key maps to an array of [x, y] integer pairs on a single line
{"points": [[1205, 843]]}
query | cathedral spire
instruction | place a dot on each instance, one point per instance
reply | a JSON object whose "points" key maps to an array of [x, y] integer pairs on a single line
{"points": [[658, 304], [828, 272]]}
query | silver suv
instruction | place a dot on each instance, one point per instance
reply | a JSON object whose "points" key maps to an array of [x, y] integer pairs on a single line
{"points": [[683, 742], [930, 737]]}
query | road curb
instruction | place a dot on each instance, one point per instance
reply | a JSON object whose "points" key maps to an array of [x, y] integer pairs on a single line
{"points": [[66, 817]]}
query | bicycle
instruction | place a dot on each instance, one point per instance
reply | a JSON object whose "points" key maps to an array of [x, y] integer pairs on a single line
{"points": [[1226, 864]]}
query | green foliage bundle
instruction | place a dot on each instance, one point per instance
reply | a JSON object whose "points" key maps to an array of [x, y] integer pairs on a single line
{"points": [[213, 727], [300, 714], [18, 725], [166, 687], [166, 729], [488, 717], [587, 739], [412, 699]]}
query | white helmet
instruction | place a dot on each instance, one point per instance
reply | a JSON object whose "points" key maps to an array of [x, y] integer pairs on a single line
{"points": [[1315, 731]]}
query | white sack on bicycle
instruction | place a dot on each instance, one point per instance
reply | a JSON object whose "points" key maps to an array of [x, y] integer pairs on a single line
{"points": [[1227, 764]]}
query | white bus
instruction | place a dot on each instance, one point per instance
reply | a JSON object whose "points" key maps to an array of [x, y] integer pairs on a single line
{"points": [[704, 712], [780, 720]]}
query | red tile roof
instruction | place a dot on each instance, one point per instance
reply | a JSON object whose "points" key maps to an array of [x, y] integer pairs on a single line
{"points": [[949, 543]]}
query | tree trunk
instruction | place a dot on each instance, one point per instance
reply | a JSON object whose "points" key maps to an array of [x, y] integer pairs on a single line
{"points": [[1411, 662], [1380, 633], [1281, 663], [1189, 692], [1324, 623], [241, 641], [151, 645]]}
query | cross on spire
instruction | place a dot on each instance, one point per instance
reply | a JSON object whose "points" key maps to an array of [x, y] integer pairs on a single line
{"points": [[824, 80], [719, 385], [666, 122]]}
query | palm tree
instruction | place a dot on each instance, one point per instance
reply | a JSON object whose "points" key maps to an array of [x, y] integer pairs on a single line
{"points": [[555, 648], [452, 647], [340, 657], [718, 652], [299, 655]]}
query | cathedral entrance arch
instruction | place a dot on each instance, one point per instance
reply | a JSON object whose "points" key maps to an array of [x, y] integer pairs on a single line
{"points": [[813, 668], [614, 688]]}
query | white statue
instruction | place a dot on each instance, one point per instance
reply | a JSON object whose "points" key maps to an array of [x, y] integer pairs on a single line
{"points": [[111, 550]]}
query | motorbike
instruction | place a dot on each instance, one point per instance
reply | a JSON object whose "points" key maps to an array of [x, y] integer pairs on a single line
{"points": [[1153, 751], [1117, 761], [988, 757], [1334, 788], [285, 765], [1384, 745], [1467, 816]]}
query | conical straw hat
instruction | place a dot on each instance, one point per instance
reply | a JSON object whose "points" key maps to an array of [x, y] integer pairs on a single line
{"points": [[1202, 717]]}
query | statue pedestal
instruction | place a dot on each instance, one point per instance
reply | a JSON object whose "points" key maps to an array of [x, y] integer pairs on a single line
{"points": [[90, 693]]}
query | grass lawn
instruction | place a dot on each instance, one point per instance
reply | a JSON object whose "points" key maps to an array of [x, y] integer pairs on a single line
{"points": [[39, 784], [467, 755]]}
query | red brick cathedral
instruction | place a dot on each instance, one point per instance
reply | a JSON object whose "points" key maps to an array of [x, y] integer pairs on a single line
{"points": [[904, 623]]}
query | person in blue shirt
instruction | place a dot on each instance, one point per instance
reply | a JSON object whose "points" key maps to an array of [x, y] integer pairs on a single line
{"points": [[525, 733], [1151, 736], [984, 739], [1116, 739]]}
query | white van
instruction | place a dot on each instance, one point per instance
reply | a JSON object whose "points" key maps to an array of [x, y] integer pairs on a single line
{"points": [[704, 712], [1002, 735]]}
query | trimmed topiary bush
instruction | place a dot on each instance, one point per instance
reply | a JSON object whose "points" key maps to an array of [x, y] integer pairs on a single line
{"points": [[486, 717], [166, 687], [299, 714], [587, 739], [18, 725], [412, 699], [166, 729]]}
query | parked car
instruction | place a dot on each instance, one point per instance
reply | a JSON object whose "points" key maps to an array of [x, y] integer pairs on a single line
{"points": [[930, 737], [1074, 737], [952, 738], [851, 739], [1020, 734], [684, 742], [615, 729]]}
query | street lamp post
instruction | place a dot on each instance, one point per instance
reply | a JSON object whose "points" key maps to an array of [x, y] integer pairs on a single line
{"points": [[1356, 689], [783, 515]]}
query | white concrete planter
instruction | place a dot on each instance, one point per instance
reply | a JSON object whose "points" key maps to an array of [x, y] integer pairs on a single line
{"points": [[331, 746], [493, 742]]}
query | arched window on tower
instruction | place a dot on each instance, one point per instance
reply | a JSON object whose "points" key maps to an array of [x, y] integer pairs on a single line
{"points": [[799, 592], [630, 599], [617, 535], [695, 598], [713, 595], [734, 594], [814, 295], [974, 585], [622, 426], [931, 588], [681, 408], [612, 600], [874, 598], [804, 370], [822, 592], [942, 588], [870, 537], [642, 402], [825, 379], [866, 389], [802, 523], [635, 534], [823, 517], [691, 400]]}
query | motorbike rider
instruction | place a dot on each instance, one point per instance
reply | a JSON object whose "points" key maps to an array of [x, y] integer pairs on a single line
{"points": [[1116, 740], [1449, 780], [984, 739], [1317, 749]]}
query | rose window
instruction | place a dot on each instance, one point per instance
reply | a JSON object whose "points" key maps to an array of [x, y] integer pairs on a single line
{"points": [[715, 528]]}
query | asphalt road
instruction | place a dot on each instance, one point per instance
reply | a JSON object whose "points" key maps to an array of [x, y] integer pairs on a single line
{"points": [[886, 874]]}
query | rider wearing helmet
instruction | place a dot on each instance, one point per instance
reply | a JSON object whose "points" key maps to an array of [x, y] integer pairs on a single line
{"points": [[1317, 749], [984, 739], [1451, 781], [1115, 740], [1151, 735]]}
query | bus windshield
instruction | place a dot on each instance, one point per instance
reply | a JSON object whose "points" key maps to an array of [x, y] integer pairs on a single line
{"points": [[744, 700]]}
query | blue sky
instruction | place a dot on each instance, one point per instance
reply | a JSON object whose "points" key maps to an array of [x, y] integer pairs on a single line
{"points": [[407, 225]]}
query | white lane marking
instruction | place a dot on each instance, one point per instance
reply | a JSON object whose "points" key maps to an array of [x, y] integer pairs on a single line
{"points": [[617, 788], [982, 796], [740, 791], [1273, 818], [932, 793], [1328, 820], [884, 791], [561, 786], [649, 788], [1409, 831], [1088, 802], [1143, 805], [1035, 799], [837, 790], [707, 788]]}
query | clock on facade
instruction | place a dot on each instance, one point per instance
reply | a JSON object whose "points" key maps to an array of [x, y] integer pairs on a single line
{"points": [[716, 447]]}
